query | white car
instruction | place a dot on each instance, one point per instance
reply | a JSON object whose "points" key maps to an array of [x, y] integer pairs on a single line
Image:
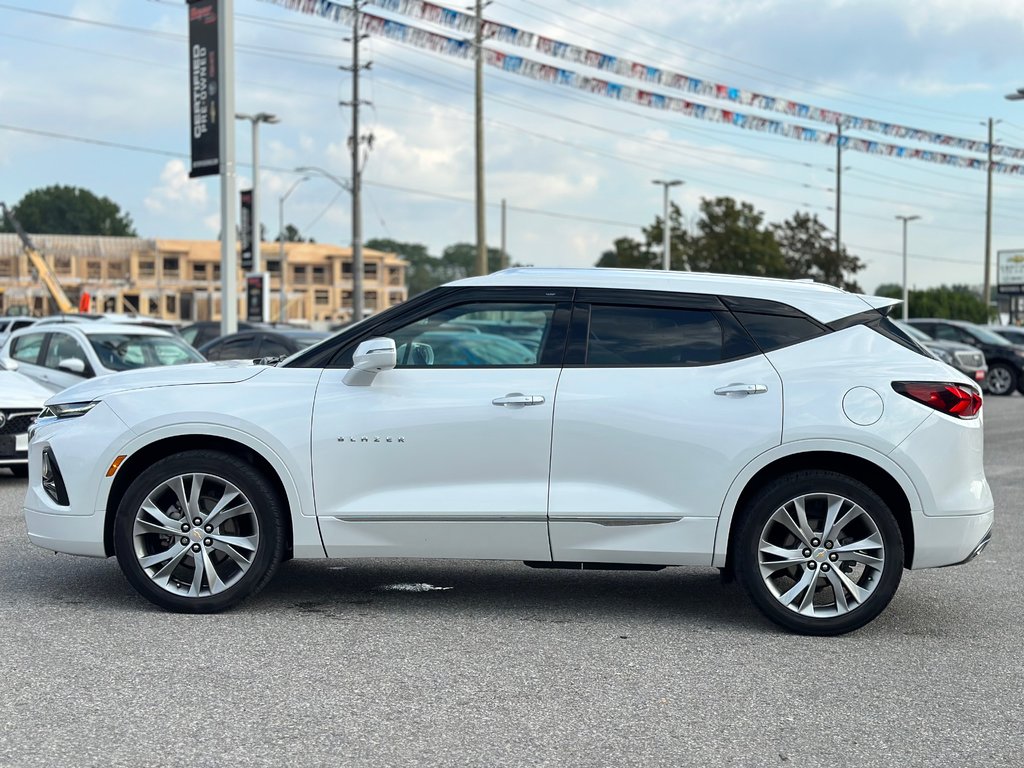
{"points": [[784, 432], [59, 355], [21, 400]]}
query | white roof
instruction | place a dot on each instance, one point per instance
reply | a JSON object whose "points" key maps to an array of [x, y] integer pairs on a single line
{"points": [[822, 302], [99, 327]]}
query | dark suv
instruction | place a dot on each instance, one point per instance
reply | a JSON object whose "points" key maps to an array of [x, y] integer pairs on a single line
{"points": [[1005, 360]]}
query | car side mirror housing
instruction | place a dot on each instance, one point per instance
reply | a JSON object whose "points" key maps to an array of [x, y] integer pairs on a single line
{"points": [[370, 358], [72, 365], [8, 364]]}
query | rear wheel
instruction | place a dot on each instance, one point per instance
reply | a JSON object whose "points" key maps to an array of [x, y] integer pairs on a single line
{"points": [[819, 553], [1001, 379], [199, 531]]}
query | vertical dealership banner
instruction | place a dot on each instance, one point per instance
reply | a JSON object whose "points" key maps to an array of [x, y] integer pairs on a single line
{"points": [[256, 298], [246, 224], [204, 84]]}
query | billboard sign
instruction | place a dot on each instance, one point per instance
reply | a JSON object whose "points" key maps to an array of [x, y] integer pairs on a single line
{"points": [[204, 80], [1010, 272]]}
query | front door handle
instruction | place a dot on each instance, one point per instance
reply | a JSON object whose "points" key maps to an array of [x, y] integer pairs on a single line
{"points": [[741, 390], [513, 399]]}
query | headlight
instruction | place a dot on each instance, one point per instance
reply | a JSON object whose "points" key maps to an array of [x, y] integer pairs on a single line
{"points": [[66, 410]]}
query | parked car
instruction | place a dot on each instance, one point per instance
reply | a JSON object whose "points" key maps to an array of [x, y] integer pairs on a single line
{"points": [[782, 431], [205, 331], [253, 344], [1012, 333], [21, 399], [1005, 360], [58, 355], [969, 360], [9, 325]]}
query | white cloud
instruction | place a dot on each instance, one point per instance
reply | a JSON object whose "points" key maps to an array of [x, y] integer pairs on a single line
{"points": [[177, 193]]}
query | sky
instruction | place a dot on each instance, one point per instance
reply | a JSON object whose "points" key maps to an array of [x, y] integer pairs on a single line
{"points": [[94, 93]]}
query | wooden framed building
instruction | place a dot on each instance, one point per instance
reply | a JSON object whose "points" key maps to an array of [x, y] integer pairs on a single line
{"points": [[180, 279]]}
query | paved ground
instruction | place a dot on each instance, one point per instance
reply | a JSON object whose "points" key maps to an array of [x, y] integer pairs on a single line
{"points": [[511, 666]]}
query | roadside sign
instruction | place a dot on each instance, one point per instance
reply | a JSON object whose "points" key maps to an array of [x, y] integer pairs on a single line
{"points": [[204, 79], [1010, 272], [257, 297], [246, 225]]}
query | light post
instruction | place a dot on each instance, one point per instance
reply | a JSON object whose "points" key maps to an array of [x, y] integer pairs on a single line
{"points": [[666, 255], [357, 253], [282, 312], [259, 117], [906, 300]]}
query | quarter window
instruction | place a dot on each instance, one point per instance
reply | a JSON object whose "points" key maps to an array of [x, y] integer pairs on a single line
{"points": [[640, 336], [776, 331]]}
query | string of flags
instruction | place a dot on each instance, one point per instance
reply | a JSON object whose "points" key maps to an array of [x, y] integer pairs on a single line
{"points": [[536, 70]]}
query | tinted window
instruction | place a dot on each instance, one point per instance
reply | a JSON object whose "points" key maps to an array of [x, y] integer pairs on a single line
{"points": [[124, 351], [26, 348], [950, 333], [626, 336], [470, 335], [234, 349], [273, 348], [775, 331]]}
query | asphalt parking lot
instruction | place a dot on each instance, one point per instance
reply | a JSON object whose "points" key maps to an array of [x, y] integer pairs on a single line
{"points": [[511, 666]]}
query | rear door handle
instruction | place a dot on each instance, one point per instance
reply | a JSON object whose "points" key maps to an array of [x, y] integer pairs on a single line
{"points": [[741, 390], [513, 399]]}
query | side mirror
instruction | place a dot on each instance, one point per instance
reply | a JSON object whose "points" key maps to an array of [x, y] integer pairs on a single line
{"points": [[8, 364], [72, 365], [370, 358]]}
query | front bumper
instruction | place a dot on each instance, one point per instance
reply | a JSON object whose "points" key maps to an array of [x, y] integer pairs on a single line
{"points": [[72, 534]]}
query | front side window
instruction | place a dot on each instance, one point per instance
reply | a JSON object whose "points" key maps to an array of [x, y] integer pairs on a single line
{"points": [[477, 334], [63, 347], [648, 336]]}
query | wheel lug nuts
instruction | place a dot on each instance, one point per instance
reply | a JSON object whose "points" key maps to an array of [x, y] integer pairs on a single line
{"points": [[825, 567], [209, 529], [198, 521], [807, 553], [833, 557], [812, 566], [828, 545], [184, 541], [208, 542], [196, 547], [184, 528], [815, 542]]}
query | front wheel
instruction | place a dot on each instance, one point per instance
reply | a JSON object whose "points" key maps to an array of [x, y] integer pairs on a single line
{"points": [[819, 553], [199, 531]]}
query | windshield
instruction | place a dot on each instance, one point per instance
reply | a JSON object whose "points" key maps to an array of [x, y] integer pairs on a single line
{"points": [[987, 336], [125, 351]]}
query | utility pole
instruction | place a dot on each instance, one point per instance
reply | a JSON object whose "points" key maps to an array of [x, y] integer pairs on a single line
{"points": [[504, 253], [481, 222], [355, 143], [906, 293], [259, 117], [666, 229], [226, 105], [839, 193], [987, 289]]}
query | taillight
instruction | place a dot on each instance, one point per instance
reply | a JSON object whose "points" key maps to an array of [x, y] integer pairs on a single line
{"points": [[951, 399]]}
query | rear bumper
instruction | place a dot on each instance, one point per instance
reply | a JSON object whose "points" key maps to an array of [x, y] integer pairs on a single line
{"points": [[950, 540]]}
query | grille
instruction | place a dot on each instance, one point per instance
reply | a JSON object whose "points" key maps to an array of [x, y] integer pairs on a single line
{"points": [[970, 359], [17, 422]]}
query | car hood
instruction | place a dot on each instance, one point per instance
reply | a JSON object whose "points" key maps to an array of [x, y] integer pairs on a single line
{"points": [[228, 372], [17, 392], [950, 346]]}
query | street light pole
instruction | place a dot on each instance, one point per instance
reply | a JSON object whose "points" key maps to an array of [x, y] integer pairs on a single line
{"points": [[666, 239], [259, 117], [905, 219], [282, 310]]}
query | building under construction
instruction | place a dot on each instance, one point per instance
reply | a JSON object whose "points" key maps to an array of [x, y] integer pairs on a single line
{"points": [[180, 279]]}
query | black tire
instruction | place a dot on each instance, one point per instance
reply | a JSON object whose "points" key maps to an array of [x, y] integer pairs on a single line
{"points": [[814, 484], [1008, 379], [19, 470], [268, 511]]}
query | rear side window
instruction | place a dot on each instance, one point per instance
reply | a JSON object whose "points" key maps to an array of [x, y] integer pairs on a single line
{"points": [[776, 331], [26, 348], [651, 336]]}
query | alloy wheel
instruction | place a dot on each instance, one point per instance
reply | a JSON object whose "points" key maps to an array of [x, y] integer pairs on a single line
{"points": [[821, 555], [999, 381], [195, 535]]}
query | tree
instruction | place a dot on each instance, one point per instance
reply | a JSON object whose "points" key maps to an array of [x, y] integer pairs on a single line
{"points": [[810, 251], [628, 253], [459, 261], [62, 210], [733, 240], [292, 235], [422, 273], [949, 302]]}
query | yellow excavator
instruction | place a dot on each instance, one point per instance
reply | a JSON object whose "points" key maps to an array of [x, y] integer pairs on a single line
{"points": [[40, 266]]}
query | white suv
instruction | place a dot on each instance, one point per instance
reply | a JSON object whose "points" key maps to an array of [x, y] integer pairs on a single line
{"points": [[785, 432]]}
